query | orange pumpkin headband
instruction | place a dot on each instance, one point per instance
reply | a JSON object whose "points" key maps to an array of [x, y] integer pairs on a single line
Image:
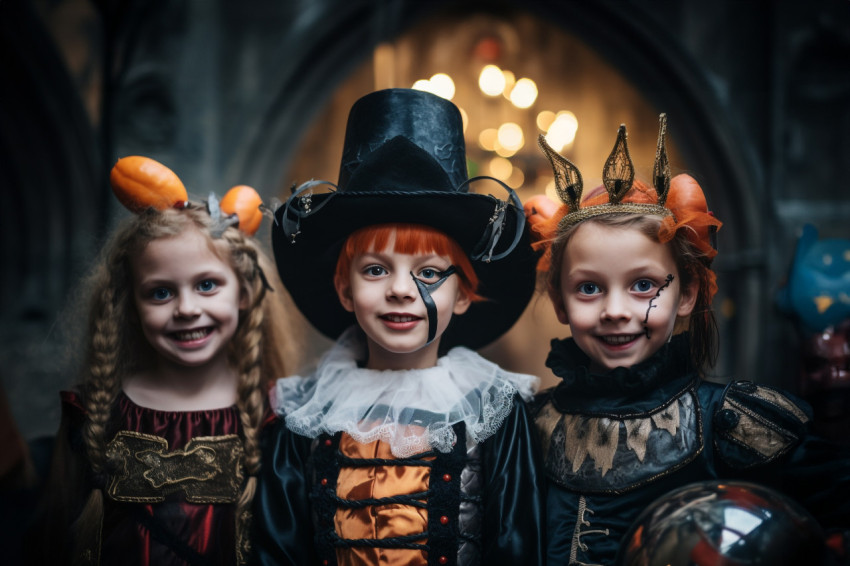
{"points": [[140, 183]]}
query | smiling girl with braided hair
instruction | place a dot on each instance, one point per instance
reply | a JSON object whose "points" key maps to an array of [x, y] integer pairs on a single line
{"points": [[183, 338]]}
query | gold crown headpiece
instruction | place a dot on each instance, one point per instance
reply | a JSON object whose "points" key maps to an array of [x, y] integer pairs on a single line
{"points": [[617, 176]]}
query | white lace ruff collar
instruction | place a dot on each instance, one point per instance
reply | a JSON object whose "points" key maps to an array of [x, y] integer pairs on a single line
{"points": [[413, 411]]}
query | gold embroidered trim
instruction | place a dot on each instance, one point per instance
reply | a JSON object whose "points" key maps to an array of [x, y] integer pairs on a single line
{"points": [[576, 544], [776, 398], [754, 431], [668, 419], [637, 435], [207, 470], [547, 421], [598, 437], [243, 541], [602, 442]]}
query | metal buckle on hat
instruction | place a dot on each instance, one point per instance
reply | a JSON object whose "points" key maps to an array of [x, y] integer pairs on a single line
{"points": [[307, 202], [496, 224], [303, 196]]}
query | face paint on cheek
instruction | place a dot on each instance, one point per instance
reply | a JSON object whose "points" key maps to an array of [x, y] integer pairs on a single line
{"points": [[667, 282], [425, 290]]}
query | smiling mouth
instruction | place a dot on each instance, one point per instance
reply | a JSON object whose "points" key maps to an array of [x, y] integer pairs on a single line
{"points": [[191, 335], [400, 317], [619, 340]]}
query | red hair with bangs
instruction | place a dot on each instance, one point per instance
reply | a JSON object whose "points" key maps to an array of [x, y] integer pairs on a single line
{"points": [[409, 239]]}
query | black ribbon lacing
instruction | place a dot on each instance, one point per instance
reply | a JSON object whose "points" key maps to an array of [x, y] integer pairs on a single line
{"points": [[442, 498]]}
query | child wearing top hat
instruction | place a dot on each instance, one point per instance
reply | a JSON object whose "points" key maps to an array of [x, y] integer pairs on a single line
{"points": [[404, 446]]}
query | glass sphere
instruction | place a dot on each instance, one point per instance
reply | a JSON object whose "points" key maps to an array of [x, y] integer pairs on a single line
{"points": [[723, 524]]}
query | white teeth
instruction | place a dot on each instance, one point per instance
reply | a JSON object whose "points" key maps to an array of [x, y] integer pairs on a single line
{"points": [[617, 340], [399, 318], [190, 335]]}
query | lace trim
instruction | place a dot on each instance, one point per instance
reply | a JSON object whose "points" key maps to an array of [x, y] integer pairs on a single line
{"points": [[412, 411]]}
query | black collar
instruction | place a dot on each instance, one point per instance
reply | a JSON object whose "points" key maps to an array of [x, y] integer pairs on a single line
{"points": [[621, 391]]}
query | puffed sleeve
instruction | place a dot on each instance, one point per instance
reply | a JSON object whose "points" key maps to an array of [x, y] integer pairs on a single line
{"points": [[763, 435], [514, 493], [282, 525]]}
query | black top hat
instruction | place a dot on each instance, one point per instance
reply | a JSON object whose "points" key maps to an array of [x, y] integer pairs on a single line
{"points": [[404, 161]]}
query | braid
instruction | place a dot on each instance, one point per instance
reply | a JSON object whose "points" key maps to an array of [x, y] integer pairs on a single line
{"points": [[247, 356], [104, 382], [100, 389]]}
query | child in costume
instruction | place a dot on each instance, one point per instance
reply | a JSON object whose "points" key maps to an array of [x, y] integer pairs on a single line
{"points": [[403, 446], [156, 459], [630, 271]]}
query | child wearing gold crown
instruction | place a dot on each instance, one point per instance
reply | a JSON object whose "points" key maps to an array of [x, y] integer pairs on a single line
{"points": [[156, 457], [629, 270], [404, 446]]}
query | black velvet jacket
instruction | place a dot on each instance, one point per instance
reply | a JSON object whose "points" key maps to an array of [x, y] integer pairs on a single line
{"points": [[614, 443], [290, 519]]}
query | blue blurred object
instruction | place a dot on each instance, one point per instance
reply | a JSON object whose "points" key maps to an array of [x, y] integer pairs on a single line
{"points": [[717, 523], [817, 292]]}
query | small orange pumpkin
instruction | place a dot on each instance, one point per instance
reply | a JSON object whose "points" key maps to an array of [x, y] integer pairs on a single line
{"points": [[244, 202], [141, 182]]}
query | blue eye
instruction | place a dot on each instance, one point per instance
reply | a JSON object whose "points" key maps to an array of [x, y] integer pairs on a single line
{"points": [[207, 285], [588, 289], [429, 273], [643, 285], [161, 294], [375, 271]]}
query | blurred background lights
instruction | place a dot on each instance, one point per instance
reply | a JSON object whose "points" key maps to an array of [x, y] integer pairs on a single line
{"points": [[524, 93], [487, 139], [510, 136], [491, 81], [500, 168], [440, 84], [503, 151], [545, 119], [464, 117], [516, 179], [510, 81], [562, 131], [443, 85]]}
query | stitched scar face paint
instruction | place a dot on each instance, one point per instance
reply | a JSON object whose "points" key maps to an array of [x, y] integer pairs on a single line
{"points": [[619, 293], [651, 306], [403, 303]]}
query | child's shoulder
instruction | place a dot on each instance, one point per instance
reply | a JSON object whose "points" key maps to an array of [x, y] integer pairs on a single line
{"points": [[753, 423]]}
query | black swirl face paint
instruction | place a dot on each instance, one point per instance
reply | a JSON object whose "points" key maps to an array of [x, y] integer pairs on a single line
{"points": [[667, 282], [425, 290]]}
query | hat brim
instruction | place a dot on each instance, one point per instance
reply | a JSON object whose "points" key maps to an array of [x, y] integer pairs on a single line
{"points": [[307, 265]]}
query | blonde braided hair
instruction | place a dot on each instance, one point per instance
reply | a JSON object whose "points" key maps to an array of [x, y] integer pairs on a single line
{"points": [[260, 350]]}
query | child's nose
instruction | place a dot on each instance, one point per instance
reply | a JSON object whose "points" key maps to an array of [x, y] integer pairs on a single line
{"points": [[402, 286], [186, 307], [616, 307]]}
